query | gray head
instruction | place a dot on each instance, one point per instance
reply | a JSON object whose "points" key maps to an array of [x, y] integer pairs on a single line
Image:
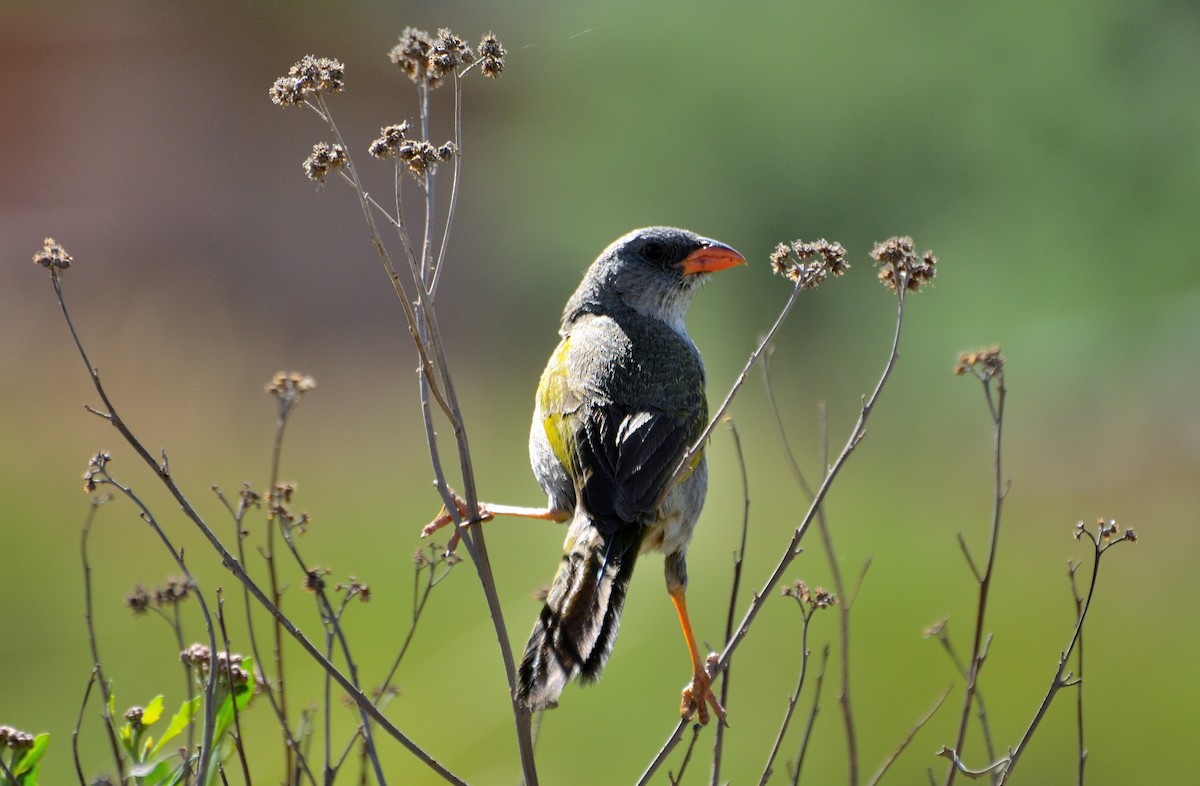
{"points": [[652, 271]]}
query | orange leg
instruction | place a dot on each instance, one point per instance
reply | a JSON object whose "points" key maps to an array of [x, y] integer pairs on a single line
{"points": [[698, 695], [487, 512]]}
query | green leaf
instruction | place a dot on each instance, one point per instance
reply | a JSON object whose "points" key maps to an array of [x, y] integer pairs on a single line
{"points": [[28, 760], [153, 711], [187, 711]]}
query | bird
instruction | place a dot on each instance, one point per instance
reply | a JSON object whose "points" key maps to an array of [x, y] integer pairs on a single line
{"points": [[618, 410]]}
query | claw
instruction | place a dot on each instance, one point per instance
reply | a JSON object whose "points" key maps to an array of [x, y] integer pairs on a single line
{"points": [[698, 697], [444, 518]]}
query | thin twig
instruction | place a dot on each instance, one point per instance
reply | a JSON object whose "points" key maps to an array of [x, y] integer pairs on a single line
{"points": [[768, 767], [1072, 567], [812, 717], [93, 644], [735, 585], [230, 563], [846, 600], [792, 549], [676, 779], [895, 754], [996, 408], [1101, 545], [87, 693], [237, 720], [206, 740]]}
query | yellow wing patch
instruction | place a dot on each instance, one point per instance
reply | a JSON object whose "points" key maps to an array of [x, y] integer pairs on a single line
{"points": [[558, 405]]}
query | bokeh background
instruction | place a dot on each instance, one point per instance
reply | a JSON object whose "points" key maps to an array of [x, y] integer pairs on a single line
{"points": [[1049, 153]]}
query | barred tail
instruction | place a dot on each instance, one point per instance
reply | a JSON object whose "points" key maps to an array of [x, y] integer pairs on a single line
{"points": [[575, 632]]}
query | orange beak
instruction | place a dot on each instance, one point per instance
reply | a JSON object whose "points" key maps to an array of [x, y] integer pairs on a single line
{"points": [[710, 258]]}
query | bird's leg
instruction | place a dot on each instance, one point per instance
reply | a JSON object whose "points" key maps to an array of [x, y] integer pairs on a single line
{"points": [[698, 695], [488, 511]]}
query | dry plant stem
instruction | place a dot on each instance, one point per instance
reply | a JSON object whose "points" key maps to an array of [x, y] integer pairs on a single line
{"points": [[846, 601], [87, 694], [237, 720], [1060, 681], [812, 717], [793, 547], [674, 778], [7, 773], [206, 739], [422, 326], [698, 445], [420, 598], [276, 592], [290, 741], [719, 737], [435, 279], [996, 408], [333, 628], [895, 754], [768, 768], [334, 632], [93, 645], [1071, 568], [981, 707], [231, 563]]}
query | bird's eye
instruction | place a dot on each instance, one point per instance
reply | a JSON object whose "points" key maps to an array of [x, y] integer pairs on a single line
{"points": [[654, 251]]}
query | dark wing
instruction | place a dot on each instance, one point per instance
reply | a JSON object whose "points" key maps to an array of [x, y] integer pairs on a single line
{"points": [[627, 459]]}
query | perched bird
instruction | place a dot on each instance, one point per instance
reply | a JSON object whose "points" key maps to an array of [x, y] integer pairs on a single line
{"points": [[619, 404]]}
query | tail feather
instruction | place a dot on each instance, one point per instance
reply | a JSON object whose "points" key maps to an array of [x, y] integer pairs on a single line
{"points": [[575, 631]]}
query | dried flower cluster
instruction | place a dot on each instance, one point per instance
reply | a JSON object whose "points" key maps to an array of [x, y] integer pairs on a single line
{"points": [[324, 157], [437, 555], [898, 262], [808, 264], [984, 363], [355, 588], [140, 600], [314, 579], [15, 739], [311, 75], [281, 508], [1107, 531], [816, 598], [96, 468], [200, 656], [53, 257], [134, 716], [288, 387], [429, 60], [417, 155], [491, 56]]}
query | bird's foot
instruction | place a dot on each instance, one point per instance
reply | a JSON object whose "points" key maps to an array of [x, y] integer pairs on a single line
{"points": [[444, 518], [698, 695]]}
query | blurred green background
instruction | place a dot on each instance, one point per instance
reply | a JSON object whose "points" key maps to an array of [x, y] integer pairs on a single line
{"points": [[1049, 153]]}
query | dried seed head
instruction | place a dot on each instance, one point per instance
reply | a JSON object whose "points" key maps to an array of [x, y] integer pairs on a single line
{"points": [[309, 76], [389, 141], [96, 469], [898, 261], [808, 264], [412, 54], [139, 600], [419, 157], [314, 579], [984, 363], [53, 257], [324, 157], [15, 739], [447, 53], [491, 56]]}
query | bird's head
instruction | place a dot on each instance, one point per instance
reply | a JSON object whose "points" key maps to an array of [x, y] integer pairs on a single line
{"points": [[652, 271]]}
